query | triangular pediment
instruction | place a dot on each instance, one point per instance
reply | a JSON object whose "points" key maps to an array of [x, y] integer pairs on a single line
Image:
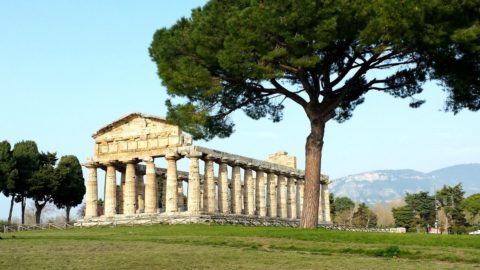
{"points": [[136, 125]]}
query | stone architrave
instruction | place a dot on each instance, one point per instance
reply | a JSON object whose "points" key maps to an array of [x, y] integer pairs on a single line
{"points": [[248, 198], [282, 196], [172, 184], [223, 187], [291, 198], [193, 204], [140, 193], [209, 185], [130, 199], [271, 194], [260, 205], [91, 195], [110, 191], [151, 188], [236, 189], [326, 203], [300, 193]]}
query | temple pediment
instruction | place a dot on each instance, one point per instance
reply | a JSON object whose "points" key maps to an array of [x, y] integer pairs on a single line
{"points": [[137, 132]]}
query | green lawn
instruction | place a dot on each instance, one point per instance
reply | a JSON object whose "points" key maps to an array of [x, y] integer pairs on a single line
{"points": [[233, 247]]}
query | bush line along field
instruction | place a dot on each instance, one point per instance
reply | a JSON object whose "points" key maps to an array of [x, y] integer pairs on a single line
{"points": [[233, 247]]}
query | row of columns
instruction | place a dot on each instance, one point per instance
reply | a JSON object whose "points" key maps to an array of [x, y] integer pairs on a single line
{"points": [[270, 193]]}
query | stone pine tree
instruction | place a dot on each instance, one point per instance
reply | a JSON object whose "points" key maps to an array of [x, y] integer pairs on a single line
{"points": [[43, 183], [71, 188], [422, 205], [404, 216], [321, 55], [27, 160], [472, 205], [8, 174]]}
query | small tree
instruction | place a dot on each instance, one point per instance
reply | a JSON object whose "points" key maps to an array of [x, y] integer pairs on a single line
{"points": [[8, 174], [472, 205], [71, 187], [27, 160], [423, 207], [43, 183], [343, 210], [404, 217], [450, 199], [364, 217]]}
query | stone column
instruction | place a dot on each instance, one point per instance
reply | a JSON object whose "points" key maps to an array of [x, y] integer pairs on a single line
{"points": [[260, 193], [326, 203], [91, 195], [110, 191], [291, 200], [236, 189], [193, 204], [151, 188], [321, 216], [172, 184], [271, 194], [122, 191], [159, 181], [140, 193], [164, 193], [248, 198], [282, 196], [223, 187], [181, 202], [209, 185], [300, 192], [129, 199]]}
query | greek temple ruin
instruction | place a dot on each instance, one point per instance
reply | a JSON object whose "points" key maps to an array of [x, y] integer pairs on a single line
{"points": [[230, 186]]}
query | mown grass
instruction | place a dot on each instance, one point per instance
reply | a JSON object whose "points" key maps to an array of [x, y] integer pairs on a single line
{"points": [[233, 247]]}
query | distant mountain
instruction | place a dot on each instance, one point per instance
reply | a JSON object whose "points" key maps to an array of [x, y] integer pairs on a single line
{"points": [[387, 185]]}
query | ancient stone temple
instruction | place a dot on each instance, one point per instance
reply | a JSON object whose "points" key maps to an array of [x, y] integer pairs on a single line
{"points": [[237, 188]]}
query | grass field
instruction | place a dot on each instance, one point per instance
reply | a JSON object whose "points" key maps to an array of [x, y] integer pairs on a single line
{"points": [[233, 247]]}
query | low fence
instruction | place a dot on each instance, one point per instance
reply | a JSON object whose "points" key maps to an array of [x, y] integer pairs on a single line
{"points": [[18, 228]]}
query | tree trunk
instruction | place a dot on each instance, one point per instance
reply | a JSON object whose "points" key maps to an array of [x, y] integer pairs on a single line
{"points": [[38, 212], [11, 209], [24, 202], [67, 210], [313, 157]]}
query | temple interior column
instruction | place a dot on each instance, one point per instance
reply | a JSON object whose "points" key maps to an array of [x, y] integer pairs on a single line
{"points": [[151, 188], [321, 216], [140, 192], [223, 187], [193, 204], [236, 189], [122, 191], [271, 194], [209, 185], [300, 192], [159, 181], [291, 198], [181, 202], [91, 195], [164, 193], [326, 203], [260, 193], [249, 200], [110, 191], [172, 184], [282, 196], [130, 200]]}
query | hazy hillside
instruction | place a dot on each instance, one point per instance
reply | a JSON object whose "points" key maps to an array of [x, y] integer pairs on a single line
{"points": [[387, 185]]}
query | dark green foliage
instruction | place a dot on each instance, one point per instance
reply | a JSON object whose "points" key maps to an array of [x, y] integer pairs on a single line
{"points": [[342, 204], [404, 217], [364, 217], [391, 251], [472, 204], [423, 207], [243, 54], [8, 173], [43, 183], [450, 199], [71, 188]]}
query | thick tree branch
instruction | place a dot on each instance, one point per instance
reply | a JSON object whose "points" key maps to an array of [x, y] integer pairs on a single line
{"points": [[291, 95]]}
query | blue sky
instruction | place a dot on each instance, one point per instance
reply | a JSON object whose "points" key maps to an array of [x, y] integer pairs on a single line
{"points": [[69, 67]]}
